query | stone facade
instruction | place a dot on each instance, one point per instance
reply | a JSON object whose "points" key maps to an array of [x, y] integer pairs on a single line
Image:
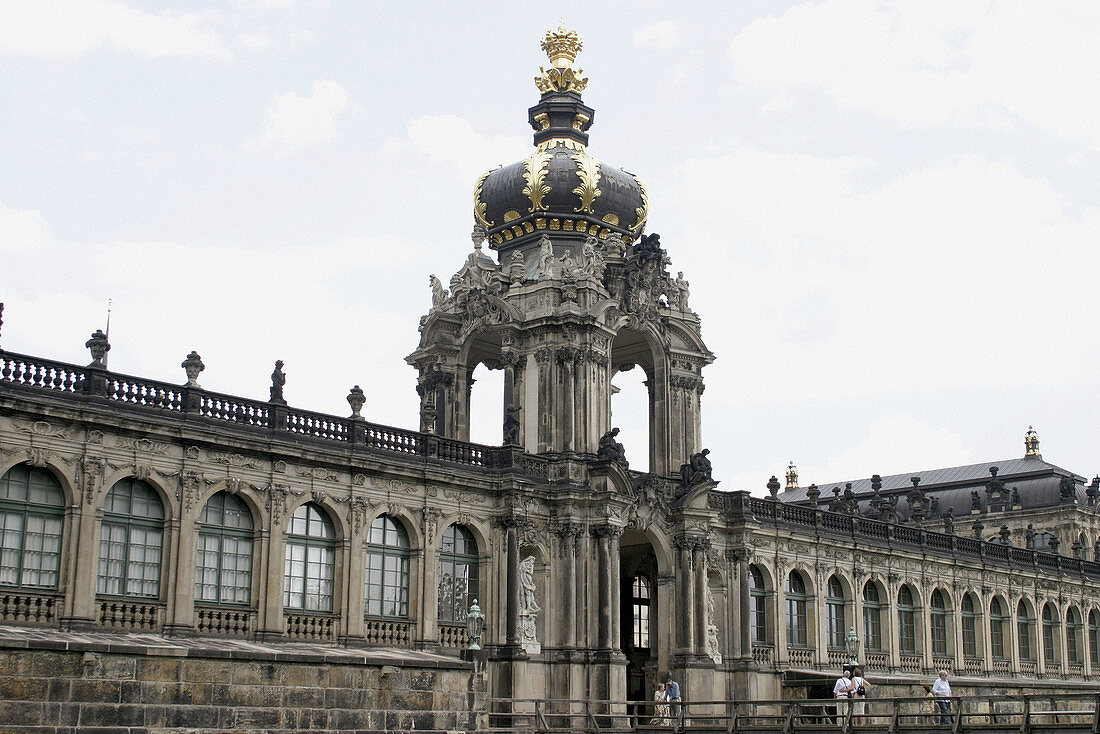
{"points": [[206, 520]]}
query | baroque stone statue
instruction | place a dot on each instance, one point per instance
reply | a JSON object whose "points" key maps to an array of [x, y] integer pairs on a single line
{"points": [[610, 449], [698, 469], [278, 379], [511, 425], [528, 607]]}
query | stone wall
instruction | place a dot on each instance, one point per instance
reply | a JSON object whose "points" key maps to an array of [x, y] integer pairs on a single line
{"points": [[118, 683]]}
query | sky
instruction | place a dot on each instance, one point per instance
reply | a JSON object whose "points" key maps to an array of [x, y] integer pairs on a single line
{"points": [[889, 213]]}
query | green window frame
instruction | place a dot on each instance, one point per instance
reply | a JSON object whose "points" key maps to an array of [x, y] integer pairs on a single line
{"points": [[458, 574], [872, 617], [641, 601], [310, 568], [1050, 635], [797, 620], [938, 618], [907, 621], [32, 518], [386, 587], [131, 541], [834, 613], [1024, 630], [997, 621], [969, 627], [758, 607], [223, 573]]}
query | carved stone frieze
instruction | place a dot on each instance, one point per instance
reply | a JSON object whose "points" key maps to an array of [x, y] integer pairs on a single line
{"points": [[44, 429], [142, 445], [237, 460]]}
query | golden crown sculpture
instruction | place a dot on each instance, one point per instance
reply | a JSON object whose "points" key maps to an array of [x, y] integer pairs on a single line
{"points": [[562, 47]]}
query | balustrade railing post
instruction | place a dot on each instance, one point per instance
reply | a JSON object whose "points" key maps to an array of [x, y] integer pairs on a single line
{"points": [[279, 415], [191, 400], [95, 381]]}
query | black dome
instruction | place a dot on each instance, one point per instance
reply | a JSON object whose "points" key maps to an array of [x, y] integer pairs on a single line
{"points": [[559, 189]]}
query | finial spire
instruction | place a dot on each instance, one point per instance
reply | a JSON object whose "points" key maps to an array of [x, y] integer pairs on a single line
{"points": [[1031, 444], [561, 47], [792, 476]]}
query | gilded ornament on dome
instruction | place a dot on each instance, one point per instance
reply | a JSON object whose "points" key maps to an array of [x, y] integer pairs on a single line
{"points": [[479, 205], [562, 47], [643, 210], [588, 171], [534, 173], [561, 80]]}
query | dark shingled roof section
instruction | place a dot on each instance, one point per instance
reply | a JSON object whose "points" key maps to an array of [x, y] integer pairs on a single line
{"points": [[972, 475]]}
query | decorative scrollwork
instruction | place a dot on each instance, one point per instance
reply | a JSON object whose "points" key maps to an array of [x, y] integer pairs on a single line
{"points": [[588, 171], [534, 173]]}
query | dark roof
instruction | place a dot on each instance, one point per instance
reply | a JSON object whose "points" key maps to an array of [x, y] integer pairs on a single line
{"points": [[1037, 481]]}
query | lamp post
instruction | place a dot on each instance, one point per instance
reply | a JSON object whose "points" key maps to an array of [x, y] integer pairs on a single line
{"points": [[475, 625], [851, 645]]}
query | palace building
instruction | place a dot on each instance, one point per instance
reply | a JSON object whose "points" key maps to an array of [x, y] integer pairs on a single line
{"points": [[159, 533]]}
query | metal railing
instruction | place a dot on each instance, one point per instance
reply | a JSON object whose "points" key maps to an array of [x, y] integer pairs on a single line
{"points": [[1067, 712]]}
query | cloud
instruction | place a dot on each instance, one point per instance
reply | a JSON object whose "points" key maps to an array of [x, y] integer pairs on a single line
{"points": [[452, 140], [662, 35], [296, 122], [967, 273], [893, 444], [22, 230], [73, 27], [979, 64]]}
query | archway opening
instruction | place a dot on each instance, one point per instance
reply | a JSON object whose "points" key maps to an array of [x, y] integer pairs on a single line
{"points": [[639, 614], [487, 406]]}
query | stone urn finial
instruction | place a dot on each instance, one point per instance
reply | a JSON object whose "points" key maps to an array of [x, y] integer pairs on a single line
{"points": [[356, 399], [193, 366], [99, 347]]}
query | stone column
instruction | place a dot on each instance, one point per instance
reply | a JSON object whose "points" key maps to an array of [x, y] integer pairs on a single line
{"points": [[892, 633], [699, 578], [181, 592], [780, 616], [743, 640], [567, 358], [819, 625], [270, 625], [926, 628], [544, 410], [685, 591], [567, 551], [80, 604], [605, 584], [1012, 639], [984, 632], [956, 622], [429, 578], [613, 585], [511, 630]]}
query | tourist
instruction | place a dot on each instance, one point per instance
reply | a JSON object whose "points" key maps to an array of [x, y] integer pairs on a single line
{"points": [[930, 703], [672, 691], [860, 686], [661, 715], [941, 690], [842, 691]]}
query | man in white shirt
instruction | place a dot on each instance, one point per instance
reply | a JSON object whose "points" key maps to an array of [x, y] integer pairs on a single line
{"points": [[842, 691], [941, 689]]}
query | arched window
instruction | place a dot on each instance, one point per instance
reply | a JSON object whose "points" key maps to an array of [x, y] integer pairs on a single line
{"points": [[834, 612], [640, 597], [387, 584], [939, 623], [310, 560], [1024, 632], [457, 574], [997, 622], [130, 541], [32, 508], [758, 608], [1073, 636], [1082, 546], [969, 627], [1094, 638], [797, 623], [1050, 635], [907, 621], [224, 572], [872, 617]]}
